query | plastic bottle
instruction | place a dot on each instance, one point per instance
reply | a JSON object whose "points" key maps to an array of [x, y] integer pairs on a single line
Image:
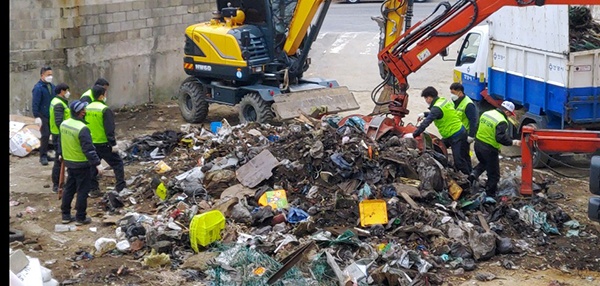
{"points": [[64, 228]]}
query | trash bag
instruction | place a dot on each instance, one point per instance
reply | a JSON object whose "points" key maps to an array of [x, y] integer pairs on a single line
{"points": [[504, 245], [509, 185], [296, 215]]}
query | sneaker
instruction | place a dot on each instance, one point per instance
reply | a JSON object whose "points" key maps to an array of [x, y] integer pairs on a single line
{"points": [[95, 194], [44, 160], [87, 220], [67, 220], [55, 189]]}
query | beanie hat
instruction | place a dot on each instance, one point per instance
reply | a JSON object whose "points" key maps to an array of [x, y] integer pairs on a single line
{"points": [[77, 105]]}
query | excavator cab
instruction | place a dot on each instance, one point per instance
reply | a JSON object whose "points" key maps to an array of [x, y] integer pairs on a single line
{"points": [[252, 54]]}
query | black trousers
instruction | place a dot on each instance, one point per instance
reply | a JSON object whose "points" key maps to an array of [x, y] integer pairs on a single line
{"points": [[56, 166], [45, 139], [78, 183], [460, 151], [115, 162], [490, 163]]}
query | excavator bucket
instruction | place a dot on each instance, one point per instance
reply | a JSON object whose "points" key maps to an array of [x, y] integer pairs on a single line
{"points": [[335, 99]]}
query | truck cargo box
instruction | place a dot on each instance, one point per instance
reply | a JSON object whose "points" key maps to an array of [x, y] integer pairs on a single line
{"points": [[563, 86], [530, 63]]}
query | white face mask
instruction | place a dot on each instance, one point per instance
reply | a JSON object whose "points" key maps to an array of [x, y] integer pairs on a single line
{"points": [[48, 78], [68, 94], [454, 97]]}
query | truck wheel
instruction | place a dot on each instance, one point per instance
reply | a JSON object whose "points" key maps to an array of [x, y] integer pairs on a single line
{"points": [[192, 101], [253, 108], [539, 160]]}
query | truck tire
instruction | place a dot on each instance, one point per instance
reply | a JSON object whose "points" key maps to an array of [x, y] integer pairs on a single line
{"points": [[540, 159], [192, 101], [252, 108]]}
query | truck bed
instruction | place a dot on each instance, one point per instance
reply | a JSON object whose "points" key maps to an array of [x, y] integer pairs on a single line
{"points": [[565, 86]]}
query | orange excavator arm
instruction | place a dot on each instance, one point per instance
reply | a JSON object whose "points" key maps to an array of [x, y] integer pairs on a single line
{"points": [[432, 35]]}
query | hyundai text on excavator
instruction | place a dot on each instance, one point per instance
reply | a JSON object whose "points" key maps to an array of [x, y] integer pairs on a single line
{"points": [[253, 54]]}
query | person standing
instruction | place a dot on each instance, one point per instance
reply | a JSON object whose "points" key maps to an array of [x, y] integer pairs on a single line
{"points": [[59, 112], [80, 157], [42, 94], [466, 109], [101, 121], [454, 135], [491, 135], [89, 96]]}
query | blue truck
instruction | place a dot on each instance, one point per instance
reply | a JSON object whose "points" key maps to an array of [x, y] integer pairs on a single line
{"points": [[526, 55]]}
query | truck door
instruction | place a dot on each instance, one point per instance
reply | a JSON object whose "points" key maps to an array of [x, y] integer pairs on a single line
{"points": [[470, 68]]}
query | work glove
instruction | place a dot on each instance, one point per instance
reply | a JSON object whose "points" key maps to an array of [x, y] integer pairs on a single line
{"points": [[408, 135], [114, 149], [516, 142], [470, 139], [420, 116], [38, 121], [100, 170]]}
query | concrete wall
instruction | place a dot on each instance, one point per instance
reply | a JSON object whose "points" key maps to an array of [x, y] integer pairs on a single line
{"points": [[137, 45]]}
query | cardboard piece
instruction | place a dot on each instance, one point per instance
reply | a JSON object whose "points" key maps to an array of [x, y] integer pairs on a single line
{"points": [[18, 261], [23, 142], [31, 275], [23, 122], [24, 135], [237, 190], [257, 169], [277, 199]]}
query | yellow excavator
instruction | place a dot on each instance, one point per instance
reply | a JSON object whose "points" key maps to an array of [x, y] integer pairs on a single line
{"points": [[253, 54]]}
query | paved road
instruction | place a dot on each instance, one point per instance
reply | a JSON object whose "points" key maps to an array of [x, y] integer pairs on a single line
{"points": [[347, 47], [346, 50]]}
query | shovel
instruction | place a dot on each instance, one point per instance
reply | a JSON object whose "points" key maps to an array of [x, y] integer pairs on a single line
{"points": [[61, 179]]}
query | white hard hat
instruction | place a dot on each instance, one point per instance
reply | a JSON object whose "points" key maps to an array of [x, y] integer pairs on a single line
{"points": [[509, 106]]}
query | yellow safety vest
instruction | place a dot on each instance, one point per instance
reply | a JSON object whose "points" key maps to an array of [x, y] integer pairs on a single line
{"points": [[89, 94], [460, 110], [94, 117], [449, 124], [69, 140], [54, 129], [486, 132]]}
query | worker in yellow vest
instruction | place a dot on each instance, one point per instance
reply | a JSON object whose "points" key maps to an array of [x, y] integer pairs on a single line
{"points": [[80, 157], [454, 134], [466, 110], [59, 112], [88, 96], [492, 133], [101, 121]]}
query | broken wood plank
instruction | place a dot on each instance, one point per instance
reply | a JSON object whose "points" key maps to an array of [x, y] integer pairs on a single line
{"points": [[483, 222], [409, 200]]}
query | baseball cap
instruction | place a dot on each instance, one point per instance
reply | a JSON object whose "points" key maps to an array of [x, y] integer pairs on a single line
{"points": [[509, 106], [77, 105]]}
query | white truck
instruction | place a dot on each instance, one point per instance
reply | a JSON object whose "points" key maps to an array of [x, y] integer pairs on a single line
{"points": [[524, 54]]}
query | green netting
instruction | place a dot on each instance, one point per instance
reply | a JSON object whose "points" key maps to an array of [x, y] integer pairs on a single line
{"points": [[245, 261]]}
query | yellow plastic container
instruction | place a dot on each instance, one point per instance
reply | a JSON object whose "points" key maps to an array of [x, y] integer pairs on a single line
{"points": [[373, 212], [205, 228]]}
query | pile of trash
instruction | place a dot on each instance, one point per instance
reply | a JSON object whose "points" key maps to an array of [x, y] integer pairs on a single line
{"points": [[315, 202], [584, 30]]}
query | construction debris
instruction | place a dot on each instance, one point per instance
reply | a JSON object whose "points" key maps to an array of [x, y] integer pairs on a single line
{"points": [[316, 204]]}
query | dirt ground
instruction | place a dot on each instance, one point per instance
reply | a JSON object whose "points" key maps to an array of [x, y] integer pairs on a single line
{"points": [[34, 209]]}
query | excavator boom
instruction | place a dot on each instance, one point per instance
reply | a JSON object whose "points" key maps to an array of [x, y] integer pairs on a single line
{"points": [[419, 44]]}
